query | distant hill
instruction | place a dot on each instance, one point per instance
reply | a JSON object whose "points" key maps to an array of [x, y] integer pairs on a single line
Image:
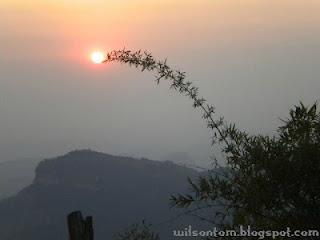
{"points": [[183, 159], [15, 175], [116, 191]]}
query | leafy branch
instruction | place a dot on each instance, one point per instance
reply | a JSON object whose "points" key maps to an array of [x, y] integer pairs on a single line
{"points": [[222, 133], [268, 181], [227, 136]]}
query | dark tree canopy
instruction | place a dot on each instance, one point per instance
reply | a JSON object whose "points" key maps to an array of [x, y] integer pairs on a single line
{"points": [[269, 182]]}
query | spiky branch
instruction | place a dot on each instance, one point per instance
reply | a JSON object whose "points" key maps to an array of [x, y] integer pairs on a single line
{"points": [[227, 136], [146, 62]]}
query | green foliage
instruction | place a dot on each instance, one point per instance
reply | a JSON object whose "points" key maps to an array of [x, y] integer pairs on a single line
{"points": [[269, 182], [138, 232], [273, 182]]}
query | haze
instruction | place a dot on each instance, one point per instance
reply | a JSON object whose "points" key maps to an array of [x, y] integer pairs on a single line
{"points": [[252, 59]]}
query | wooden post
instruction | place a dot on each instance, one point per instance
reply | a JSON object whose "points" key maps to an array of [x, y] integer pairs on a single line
{"points": [[79, 228]]}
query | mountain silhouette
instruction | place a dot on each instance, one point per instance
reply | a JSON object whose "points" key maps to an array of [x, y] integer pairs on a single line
{"points": [[116, 191]]}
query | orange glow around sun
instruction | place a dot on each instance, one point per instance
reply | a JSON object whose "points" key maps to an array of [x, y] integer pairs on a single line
{"points": [[97, 57]]}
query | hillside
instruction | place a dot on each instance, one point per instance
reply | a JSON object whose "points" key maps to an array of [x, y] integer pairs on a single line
{"points": [[116, 191]]}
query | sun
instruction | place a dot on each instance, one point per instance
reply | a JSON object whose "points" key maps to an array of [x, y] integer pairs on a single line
{"points": [[97, 57]]}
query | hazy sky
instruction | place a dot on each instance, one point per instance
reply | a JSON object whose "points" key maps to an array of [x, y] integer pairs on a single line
{"points": [[252, 59]]}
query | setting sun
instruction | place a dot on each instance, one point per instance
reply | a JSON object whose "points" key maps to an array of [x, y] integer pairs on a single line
{"points": [[97, 57]]}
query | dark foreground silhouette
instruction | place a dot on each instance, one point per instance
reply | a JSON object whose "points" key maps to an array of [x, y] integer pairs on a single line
{"points": [[116, 191]]}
